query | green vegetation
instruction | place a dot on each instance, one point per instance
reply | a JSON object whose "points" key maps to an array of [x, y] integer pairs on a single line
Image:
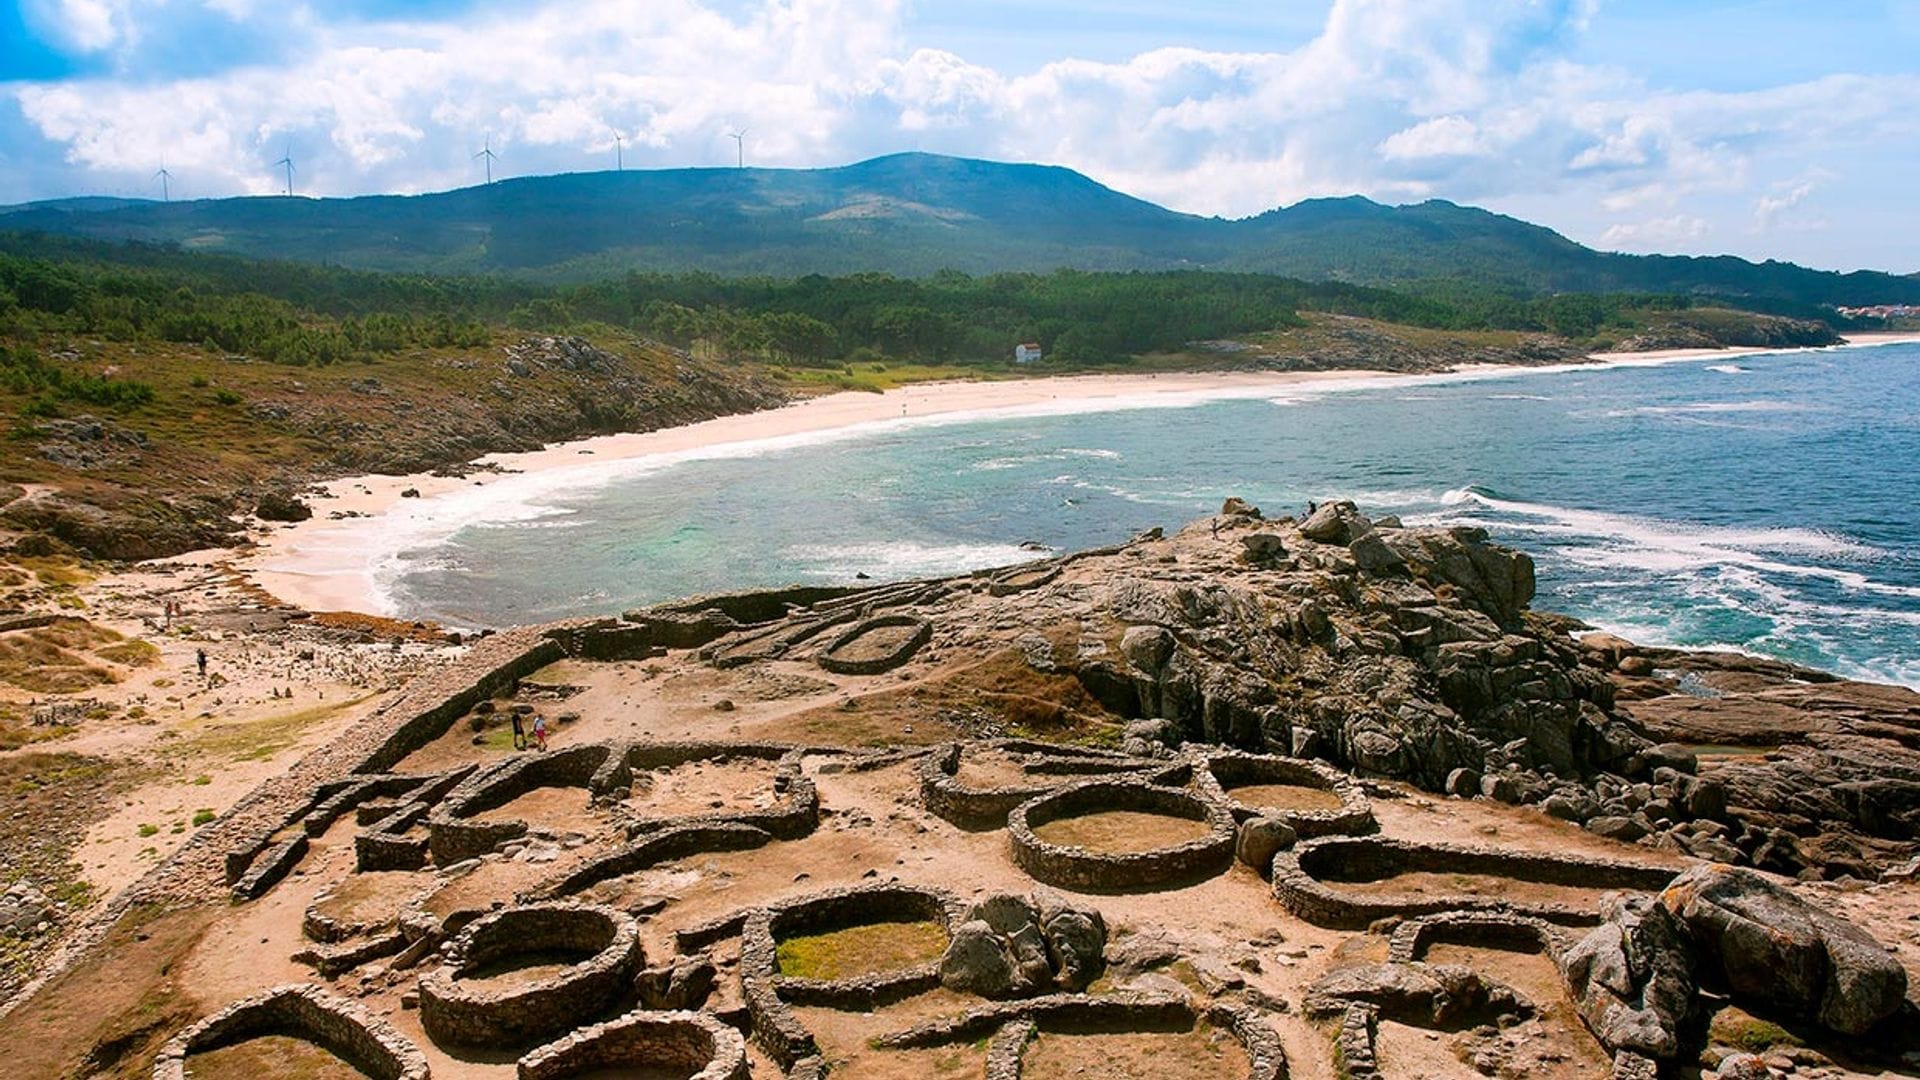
{"points": [[320, 316], [912, 215], [861, 950], [162, 391], [1737, 1028]]}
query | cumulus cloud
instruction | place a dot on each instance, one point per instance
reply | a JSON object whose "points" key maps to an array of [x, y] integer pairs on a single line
{"points": [[1656, 232], [1472, 99]]}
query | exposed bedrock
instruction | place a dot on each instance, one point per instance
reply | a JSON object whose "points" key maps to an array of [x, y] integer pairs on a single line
{"points": [[1390, 652], [1636, 979]]}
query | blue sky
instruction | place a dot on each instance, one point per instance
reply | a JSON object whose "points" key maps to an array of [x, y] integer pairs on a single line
{"points": [[1765, 129]]}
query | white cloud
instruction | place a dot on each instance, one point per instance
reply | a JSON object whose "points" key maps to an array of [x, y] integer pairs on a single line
{"points": [[1657, 232], [1471, 99], [86, 25], [1776, 208], [1442, 136]]}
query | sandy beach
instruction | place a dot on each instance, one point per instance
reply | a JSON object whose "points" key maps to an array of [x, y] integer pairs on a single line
{"points": [[331, 561]]}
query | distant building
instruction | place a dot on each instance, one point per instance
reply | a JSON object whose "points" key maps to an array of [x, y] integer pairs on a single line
{"points": [[1026, 353]]}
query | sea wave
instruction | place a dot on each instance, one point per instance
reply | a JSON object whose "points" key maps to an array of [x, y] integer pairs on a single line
{"points": [[1691, 542], [899, 559]]}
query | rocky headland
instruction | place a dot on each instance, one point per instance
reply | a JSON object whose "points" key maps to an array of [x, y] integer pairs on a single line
{"points": [[1269, 797]]}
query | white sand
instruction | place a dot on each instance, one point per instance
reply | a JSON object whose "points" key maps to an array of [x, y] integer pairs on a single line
{"points": [[334, 565]]}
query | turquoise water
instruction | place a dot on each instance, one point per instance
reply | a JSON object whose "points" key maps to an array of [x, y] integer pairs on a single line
{"points": [[1768, 503]]}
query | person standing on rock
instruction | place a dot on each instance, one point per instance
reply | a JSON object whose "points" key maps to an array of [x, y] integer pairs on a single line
{"points": [[519, 733], [540, 732]]}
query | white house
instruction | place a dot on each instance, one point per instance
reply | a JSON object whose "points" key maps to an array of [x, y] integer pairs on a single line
{"points": [[1026, 353]]}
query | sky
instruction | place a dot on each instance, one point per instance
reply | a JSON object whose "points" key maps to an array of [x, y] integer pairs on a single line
{"points": [[1781, 129]]}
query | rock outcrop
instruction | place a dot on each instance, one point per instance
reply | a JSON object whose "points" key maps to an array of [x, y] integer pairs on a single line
{"points": [[1636, 979], [1769, 947], [1011, 947], [1632, 978]]}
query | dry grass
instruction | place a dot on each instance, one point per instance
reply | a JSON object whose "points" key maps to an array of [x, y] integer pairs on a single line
{"points": [[1205, 1053], [256, 740], [271, 1057], [54, 659], [1433, 883], [862, 950], [1003, 690], [107, 1016], [1120, 831], [1285, 796]]}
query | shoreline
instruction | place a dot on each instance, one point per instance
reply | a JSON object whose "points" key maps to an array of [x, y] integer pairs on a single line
{"points": [[328, 564]]}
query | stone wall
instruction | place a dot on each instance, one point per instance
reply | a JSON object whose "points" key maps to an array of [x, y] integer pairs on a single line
{"points": [[1300, 887], [441, 704], [1052, 768], [1222, 770], [796, 813], [458, 1012], [454, 835], [1484, 929], [1098, 871], [690, 1044], [1123, 1010], [775, 1026], [831, 660], [302, 1012]]}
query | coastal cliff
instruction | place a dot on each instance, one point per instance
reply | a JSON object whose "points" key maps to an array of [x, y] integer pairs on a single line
{"points": [[237, 437]]}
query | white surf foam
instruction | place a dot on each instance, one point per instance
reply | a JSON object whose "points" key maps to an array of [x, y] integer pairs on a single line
{"points": [[422, 523], [900, 559]]}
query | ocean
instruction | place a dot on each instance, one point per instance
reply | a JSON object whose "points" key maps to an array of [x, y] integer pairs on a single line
{"points": [[1769, 503]]}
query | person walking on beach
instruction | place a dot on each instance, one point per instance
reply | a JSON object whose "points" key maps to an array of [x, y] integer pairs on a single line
{"points": [[519, 733], [540, 732]]}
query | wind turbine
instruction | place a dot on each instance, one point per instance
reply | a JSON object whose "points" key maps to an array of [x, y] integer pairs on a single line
{"points": [[287, 160], [739, 147], [619, 153], [163, 176], [489, 155]]}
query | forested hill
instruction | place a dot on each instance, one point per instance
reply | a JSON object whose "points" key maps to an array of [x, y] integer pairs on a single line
{"points": [[912, 215]]}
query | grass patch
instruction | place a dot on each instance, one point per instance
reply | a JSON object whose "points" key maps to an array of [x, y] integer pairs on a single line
{"points": [[861, 950], [271, 1057], [258, 740], [202, 816], [134, 653], [109, 1015], [1736, 1027], [1121, 831], [879, 376]]}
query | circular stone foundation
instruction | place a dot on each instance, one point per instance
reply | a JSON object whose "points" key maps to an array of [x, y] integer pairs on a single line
{"points": [[1057, 861], [1316, 799], [689, 1044], [361, 1040], [499, 989]]}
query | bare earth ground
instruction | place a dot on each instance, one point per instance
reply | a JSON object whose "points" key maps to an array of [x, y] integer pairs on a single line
{"points": [[166, 964], [115, 775], [874, 826]]}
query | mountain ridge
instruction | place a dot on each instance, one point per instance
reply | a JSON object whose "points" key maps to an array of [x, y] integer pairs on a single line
{"points": [[913, 214]]}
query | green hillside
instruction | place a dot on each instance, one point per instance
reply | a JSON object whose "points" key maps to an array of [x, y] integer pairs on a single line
{"points": [[912, 215]]}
